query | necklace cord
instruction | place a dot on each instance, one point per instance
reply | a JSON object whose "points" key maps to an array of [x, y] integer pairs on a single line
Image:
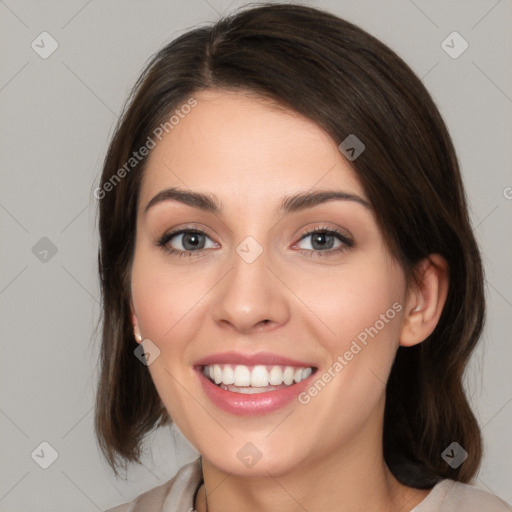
{"points": [[204, 485]]}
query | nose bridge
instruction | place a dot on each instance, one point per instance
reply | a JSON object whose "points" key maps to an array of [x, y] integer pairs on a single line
{"points": [[250, 293]]}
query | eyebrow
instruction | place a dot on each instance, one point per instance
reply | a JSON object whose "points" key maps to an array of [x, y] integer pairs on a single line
{"points": [[288, 204]]}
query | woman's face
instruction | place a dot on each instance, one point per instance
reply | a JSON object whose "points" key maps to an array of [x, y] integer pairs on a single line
{"points": [[252, 282]]}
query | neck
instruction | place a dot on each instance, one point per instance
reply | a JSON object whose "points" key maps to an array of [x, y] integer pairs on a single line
{"points": [[352, 477]]}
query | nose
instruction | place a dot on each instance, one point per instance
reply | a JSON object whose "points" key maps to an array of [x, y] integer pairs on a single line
{"points": [[251, 297]]}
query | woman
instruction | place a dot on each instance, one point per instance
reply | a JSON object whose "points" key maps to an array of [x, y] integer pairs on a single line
{"points": [[289, 275]]}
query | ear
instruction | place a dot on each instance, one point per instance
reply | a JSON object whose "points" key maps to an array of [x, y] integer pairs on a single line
{"points": [[135, 323], [425, 301]]}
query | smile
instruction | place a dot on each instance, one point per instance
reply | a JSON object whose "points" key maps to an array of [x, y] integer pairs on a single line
{"points": [[253, 390], [255, 379]]}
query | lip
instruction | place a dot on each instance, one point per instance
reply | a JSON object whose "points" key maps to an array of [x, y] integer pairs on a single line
{"points": [[259, 358], [256, 404]]}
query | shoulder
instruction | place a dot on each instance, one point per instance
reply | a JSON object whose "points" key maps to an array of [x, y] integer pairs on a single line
{"points": [[449, 495], [175, 494]]}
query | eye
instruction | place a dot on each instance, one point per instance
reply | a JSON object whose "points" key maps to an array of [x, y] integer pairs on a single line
{"points": [[191, 241], [323, 241]]}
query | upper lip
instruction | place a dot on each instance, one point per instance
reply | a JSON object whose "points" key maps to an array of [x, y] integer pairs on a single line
{"points": [[253, 359]]}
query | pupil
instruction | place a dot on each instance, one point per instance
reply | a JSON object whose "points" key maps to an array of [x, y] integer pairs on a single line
{"points": [[320, 238], [187, 239]]}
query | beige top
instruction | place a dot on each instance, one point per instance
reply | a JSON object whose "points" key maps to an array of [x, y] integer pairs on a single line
{"points": [[177, 495]]}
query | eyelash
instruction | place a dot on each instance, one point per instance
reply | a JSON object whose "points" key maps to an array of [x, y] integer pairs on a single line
{"points": [[346, 242]]}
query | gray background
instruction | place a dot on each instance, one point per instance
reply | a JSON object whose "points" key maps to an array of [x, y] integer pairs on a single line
{"points": [[57, 117]]}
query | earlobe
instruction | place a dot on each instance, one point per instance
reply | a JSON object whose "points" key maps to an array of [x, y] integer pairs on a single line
{"points": [[135, 323], [426, 301]]}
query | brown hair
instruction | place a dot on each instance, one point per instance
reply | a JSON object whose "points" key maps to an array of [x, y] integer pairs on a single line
{"points": [[348, 82]]}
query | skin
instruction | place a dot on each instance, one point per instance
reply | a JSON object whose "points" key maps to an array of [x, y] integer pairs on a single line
{"points": [[250, 153]]}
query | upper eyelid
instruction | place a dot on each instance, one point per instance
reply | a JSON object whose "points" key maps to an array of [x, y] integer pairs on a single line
{"points": [[331, 230]]}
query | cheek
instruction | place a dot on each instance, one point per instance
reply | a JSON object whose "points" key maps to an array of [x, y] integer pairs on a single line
{"points": [[164, 304], [360, 309], [356, 301], [162, 300]]}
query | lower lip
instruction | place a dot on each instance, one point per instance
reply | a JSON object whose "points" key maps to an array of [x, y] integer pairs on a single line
{"points": [[254, 404]]}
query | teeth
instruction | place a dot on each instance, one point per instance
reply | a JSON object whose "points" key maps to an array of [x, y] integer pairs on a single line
{"points": [[259, 376], [276, 376], [248, 390], [217, 374], [242, 375], [306, 372], [228, 375], [288, 374]]}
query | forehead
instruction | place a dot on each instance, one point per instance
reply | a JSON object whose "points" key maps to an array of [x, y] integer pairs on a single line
{"points": [[242, 147]]}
